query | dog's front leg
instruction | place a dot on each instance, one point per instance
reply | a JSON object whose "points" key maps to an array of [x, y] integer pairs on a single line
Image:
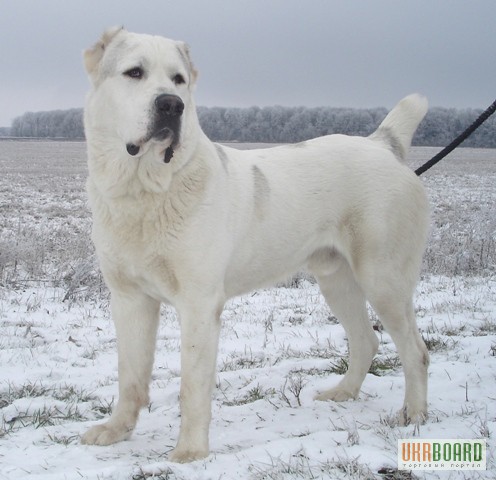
{"points": [[135, 317], [200, 326]]}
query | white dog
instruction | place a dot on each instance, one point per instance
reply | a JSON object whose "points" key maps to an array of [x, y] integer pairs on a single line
{"points": [[182, 220]]}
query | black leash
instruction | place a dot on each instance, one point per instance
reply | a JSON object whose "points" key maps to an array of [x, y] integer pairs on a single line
{"points": [[463, 136]]}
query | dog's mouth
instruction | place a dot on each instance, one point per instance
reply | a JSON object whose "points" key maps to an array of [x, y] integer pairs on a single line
{"points": [[160, 135]]}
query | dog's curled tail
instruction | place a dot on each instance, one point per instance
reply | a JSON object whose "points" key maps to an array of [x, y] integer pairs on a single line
{"points": [[397, 129]]}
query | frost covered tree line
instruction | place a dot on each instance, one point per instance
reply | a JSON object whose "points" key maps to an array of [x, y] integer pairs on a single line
{"points": [[278, 124]]}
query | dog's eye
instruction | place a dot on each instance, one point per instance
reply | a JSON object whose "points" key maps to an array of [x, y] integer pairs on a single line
{"points": [[178, 79], [135, 72]]}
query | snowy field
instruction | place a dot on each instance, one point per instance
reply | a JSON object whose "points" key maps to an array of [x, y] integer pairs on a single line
{"points": [[58, 362]]}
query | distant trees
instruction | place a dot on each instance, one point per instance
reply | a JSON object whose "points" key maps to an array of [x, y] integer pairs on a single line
{"points": [[285, 124], [295, 124], [53, 124], [442, 125], [280, 124]]}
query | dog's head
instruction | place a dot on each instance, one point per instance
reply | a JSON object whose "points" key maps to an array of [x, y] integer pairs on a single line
{"points": [[141, 95]]}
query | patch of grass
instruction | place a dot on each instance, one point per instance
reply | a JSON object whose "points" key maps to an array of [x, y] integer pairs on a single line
{"points": [[297, 466], [72, 393], [5, 428], [380, 365], [246, 361], [103, 408], [481, 427], [63, 440], [26, 390], [312, 372], [388, 473], [315, 351], [60, 404], [66, 393], [389, 421], [254, 394], [452, 331], [339, 367], [352, 468], [350, 429], [487, 327], [384, 365], [45, 417], [438, 344], [322, 351], [293, 384], [165, 474]]}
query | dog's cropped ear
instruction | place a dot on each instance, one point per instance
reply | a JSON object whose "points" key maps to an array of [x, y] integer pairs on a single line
{"points": [[92, 56], [193, 72]]}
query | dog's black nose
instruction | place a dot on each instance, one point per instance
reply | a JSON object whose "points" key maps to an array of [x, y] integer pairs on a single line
{"points": [[132, 149], [170, 105]]}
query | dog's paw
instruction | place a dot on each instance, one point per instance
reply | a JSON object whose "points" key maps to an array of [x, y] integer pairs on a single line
{"points": [[335, 394], [105, 434], [407, 416], [179, 455]]}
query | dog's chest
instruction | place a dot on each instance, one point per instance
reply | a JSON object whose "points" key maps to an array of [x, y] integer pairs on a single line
{"points": [[136, 249]]}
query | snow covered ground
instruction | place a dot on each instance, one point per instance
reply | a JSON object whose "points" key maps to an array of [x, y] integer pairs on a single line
{"points": [[58, 364]]}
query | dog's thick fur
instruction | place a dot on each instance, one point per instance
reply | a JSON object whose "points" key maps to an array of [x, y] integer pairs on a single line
{"points": [[215, 222]]}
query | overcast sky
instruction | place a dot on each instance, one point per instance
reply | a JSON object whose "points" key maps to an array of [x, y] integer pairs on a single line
{"points": [[354, 53]]}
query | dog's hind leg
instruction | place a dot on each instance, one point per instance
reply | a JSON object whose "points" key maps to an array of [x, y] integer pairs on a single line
{"points": [[398, 318], [347, 302], [135, 317]]}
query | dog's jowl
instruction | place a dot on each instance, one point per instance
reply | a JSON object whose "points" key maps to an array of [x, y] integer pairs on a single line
{"points": [[181, 220]]}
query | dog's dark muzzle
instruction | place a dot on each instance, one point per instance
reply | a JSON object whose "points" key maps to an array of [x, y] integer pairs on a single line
{"points": [[166, 124], [169, 109]]}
